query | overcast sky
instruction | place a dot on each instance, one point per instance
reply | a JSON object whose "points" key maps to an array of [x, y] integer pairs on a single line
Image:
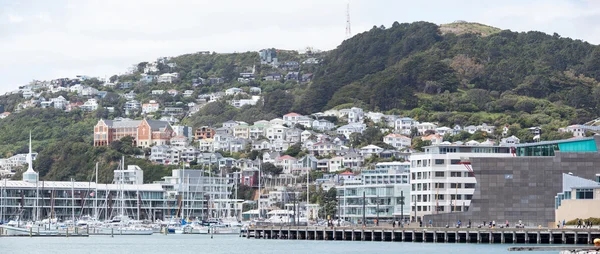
{"points": [[63, 38]]}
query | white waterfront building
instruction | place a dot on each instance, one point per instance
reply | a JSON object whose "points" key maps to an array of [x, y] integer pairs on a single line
{"points": [[442, 180], [383, 188]]}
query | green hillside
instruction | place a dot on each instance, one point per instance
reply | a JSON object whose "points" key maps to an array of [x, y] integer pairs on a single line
{"points": [[506, 72], [459, 73]]}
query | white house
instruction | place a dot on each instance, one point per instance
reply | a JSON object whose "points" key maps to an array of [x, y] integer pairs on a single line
{"points": [[168, 77], [423, 127], [355, 115], [370, 150], [435, 139], [243, 102], [443, 130], [233, 91], [150, 107], [510, 141], [404, 124], [276, 132], [322, 125], [90, 105], [376, 117], [336, 164], [348, 129], [577, 130], [397, 140], [292, 118]]}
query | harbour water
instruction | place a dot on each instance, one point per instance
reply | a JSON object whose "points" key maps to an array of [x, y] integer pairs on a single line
{"points": [[222, 244]]}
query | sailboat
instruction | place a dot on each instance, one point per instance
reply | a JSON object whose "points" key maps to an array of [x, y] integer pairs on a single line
{"points": [[14, 227], [121, 224]]}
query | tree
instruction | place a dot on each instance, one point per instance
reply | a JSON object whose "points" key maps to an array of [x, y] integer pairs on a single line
{"points": [[418, 144], [113, 78], [294, 150], [271, 169], [466, 68], [328, 201], [278, 102]]}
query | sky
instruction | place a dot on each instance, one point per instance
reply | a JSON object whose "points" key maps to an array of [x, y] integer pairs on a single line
{"points": [[42, 40]]}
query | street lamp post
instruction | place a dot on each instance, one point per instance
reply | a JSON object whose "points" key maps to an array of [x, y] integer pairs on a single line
{"points": [[377, 211], [339, 212], [402, 208]]}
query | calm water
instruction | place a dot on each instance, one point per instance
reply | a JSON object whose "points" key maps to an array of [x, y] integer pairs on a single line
{"points": [[227, 244]]}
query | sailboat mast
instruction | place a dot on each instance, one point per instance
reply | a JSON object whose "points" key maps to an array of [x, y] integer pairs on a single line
{"points": [[73, 200], [258, 200], [96, 196], [122, 187], [184, 190]]}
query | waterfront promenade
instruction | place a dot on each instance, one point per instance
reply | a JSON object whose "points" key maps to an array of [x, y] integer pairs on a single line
{"points": [[432, 235]]}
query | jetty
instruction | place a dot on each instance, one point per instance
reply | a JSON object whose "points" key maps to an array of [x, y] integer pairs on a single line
{"points": [[9, 231], [428, 235]]}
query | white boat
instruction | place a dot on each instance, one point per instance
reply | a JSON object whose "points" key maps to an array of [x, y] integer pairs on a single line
{"points": [[280, 216], [129, 230], [16, 231]]}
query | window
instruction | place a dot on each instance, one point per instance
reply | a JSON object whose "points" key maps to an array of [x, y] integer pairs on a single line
{"points": [[439, 162], [418, 186], [455, 174], [468, 197], [418, 198], [419, 175], [413, 176], [424, 198], [455, 197], [439, 185], [469, 185], [455, 185], [440, 197], [454, 162], [439, 173], [584, 194], [413, 187]]}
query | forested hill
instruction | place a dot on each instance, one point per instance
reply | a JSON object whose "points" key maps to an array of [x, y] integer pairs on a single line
{"points": [[410, 66]]}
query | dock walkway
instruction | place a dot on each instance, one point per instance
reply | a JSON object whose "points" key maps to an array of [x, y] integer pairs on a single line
{"points": [[433, 235]]}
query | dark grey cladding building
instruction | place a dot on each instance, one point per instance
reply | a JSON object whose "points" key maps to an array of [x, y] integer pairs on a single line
{"points": [[524, 187]]}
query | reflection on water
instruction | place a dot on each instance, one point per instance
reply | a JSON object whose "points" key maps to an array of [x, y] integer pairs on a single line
{"points": [[227, 244]]}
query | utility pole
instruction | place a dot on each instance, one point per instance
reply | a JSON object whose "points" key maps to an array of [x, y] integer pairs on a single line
{"points": [[348, 30]]}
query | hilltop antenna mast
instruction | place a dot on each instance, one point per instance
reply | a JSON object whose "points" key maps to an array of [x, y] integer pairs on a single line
{"points": [[348, 30]]}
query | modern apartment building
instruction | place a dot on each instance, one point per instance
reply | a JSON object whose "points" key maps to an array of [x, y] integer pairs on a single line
{"points": [[524, 187], [442, 180], [380, 192]]}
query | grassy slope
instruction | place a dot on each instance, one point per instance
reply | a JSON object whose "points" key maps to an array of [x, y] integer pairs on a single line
{"points": [[462, 28]]}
